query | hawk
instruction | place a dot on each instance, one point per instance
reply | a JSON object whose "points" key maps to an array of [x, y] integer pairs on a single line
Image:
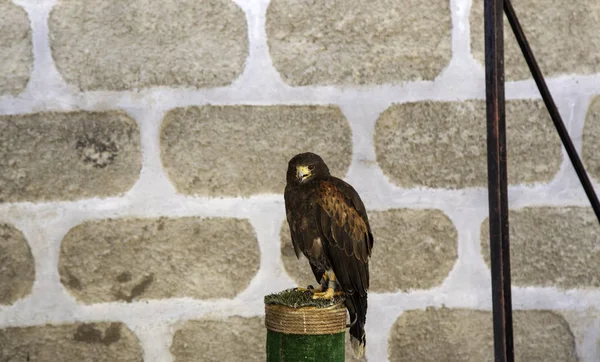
{"points": [[329, 226]]}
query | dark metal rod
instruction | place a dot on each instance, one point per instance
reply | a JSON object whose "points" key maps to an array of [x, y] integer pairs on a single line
{"points": [[497, 181], [551, 106]]}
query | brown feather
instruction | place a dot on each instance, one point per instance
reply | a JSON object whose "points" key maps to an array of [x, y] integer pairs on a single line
{"points": [[347, 220], [348, 235]]}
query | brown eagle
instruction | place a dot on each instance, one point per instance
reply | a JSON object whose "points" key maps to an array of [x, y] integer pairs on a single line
{"points": [[329, 225]]}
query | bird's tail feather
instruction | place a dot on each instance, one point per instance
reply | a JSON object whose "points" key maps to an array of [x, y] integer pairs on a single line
{"points": [[357, 308], [359, 344]]}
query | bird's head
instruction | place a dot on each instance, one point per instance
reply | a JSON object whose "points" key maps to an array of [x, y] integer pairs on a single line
{"points": [[305, 167]]}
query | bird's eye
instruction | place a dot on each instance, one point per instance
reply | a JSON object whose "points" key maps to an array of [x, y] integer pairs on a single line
{"points": [[311, 167]]}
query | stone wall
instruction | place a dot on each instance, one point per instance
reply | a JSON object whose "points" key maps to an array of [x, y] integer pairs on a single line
{"points": [[143, 148]]}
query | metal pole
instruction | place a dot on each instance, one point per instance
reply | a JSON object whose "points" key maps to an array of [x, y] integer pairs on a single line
{"points": [[551, 106], [497, 181]]}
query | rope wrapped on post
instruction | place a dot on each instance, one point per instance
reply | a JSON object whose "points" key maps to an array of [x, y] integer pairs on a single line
{"points": [[300, 328]]}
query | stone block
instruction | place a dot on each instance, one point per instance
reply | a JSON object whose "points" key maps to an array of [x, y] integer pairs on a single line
{"points": [[443, 144], [591, 140], [16, 265], [565, 39], [414, 249], [234, 339], [244, 150], [462, 335], [551, 247], [139, 259], [67, 155], [351, 42], [16, 54], [115, 45], [94, 342]]}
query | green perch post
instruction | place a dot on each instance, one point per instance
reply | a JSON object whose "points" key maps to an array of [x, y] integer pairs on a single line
{"points": [[300, 328]]}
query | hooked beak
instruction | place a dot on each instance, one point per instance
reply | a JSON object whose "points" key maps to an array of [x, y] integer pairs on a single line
{"points": [[302, 172]]}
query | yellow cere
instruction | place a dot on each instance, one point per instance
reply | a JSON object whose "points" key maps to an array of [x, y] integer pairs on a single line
{"points": [[302, 171]]}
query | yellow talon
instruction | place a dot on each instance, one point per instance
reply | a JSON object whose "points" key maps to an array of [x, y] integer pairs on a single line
{"points": [[328, 294]]}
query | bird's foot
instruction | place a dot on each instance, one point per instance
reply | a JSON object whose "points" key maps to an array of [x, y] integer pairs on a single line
{"points": [[328, 294]]}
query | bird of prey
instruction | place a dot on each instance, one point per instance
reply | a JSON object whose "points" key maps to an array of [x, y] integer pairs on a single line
{"points": [[329, 225]]}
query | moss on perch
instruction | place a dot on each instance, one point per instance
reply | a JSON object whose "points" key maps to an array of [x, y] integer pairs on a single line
{"points": [[294, 298], [300, 328]]}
